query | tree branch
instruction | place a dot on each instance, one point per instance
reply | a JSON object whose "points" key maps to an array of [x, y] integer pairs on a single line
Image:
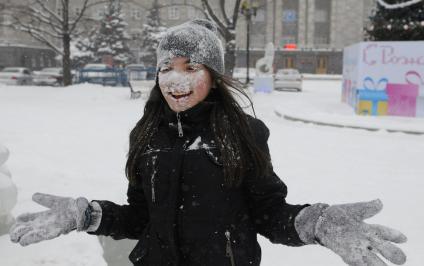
{"points": [[79, 16], [97, 3], [45, 8], [36, 35], [224, 13], [222, 28], [30, 26], [235, 13]]}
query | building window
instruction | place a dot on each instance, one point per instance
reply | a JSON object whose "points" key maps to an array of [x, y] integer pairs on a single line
{"points": [[191, 12], [174, 13], [42, 61], [33, 62], [290, 16], [257, 40], [260, 16], [321, 16], [286, 40], [136, 14], [322, 22], [320, 40], [100, 13], [289, 62], [290, 22], [136, 34]]}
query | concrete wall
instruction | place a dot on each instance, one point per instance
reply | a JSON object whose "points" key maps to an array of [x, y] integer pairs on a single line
{"points": [[307, 61], [33, 58]]}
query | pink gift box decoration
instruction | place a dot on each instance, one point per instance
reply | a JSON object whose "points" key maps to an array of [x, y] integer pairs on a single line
{"points": [[403, 97], [415, 78]]}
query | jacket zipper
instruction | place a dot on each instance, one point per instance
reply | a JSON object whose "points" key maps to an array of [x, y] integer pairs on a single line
{"points": [[229, 250], [180, 127]]}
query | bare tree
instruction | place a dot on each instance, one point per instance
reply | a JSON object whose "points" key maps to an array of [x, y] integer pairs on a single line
{"points": [[226, 24], [227, 28], [39, 20]]}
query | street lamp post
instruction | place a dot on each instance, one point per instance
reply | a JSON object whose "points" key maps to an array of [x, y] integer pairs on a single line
{"points": [[248, 10]]}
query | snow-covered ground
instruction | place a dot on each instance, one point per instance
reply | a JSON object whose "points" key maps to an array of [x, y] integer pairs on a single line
{"points": [[73, 141]]}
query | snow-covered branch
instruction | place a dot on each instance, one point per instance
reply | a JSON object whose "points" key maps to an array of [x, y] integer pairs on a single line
{"points": [[35, 33], [36, 14], [399, 5], [43, 5]]}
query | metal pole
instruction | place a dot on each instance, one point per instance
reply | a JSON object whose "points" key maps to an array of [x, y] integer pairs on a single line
{"points": [[273, 21], [247, 45], [307, 23]]}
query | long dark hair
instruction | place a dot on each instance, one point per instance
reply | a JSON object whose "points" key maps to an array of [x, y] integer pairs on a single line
{"points": [[240, 154]]}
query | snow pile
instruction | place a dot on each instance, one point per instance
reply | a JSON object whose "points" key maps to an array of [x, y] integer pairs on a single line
{"points": [[324, 106]]}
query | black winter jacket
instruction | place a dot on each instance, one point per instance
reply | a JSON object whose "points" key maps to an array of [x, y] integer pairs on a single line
{"points": [[180, 210]]}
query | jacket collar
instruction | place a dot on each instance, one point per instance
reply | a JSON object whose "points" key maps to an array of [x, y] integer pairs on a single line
{"points": [[196, 114]]}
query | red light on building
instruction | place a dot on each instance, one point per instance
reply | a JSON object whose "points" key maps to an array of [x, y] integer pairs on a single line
{"points": [[290, 46]]}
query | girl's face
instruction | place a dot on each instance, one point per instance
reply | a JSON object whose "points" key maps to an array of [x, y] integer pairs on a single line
{"points": [[184, 84]]}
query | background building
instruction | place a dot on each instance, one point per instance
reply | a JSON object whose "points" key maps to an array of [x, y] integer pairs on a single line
{"points": [[319, 28]]}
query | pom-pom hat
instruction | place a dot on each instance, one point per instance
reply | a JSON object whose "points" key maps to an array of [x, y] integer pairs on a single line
{"points": [[197, 40]]}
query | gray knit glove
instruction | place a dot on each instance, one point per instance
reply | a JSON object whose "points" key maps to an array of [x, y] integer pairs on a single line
{"points": [[63, 216], [341, 229]]}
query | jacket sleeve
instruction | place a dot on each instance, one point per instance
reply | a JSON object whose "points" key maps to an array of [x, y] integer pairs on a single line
{"points": [[273, 217], [124, 221]]}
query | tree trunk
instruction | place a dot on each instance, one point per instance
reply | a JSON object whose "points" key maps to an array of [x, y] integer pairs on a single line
{"points": [[66, 39], [66, 61], [230, 54]]}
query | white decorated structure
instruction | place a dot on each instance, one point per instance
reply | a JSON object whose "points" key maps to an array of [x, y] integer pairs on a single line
{"points": [[385, 78], [264, 79]]}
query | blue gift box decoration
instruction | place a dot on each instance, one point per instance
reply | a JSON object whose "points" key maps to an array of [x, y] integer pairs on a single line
{"points": [[373, 93]]}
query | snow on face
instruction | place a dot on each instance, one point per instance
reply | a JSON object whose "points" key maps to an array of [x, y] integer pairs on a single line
{"points": [[184, 84]]}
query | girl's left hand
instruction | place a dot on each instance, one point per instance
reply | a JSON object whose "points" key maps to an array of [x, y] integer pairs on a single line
{"points": [[341, 229]]}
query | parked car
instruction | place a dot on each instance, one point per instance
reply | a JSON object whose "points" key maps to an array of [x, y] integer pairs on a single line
{"points": [[16, 76], [239, 73], [52, 76], [288, 78], [95, 70]]}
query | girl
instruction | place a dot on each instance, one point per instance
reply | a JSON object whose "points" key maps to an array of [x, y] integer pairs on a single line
{"points": [[201, 184]]}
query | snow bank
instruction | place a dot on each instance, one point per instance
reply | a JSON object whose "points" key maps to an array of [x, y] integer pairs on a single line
{"points": [[73, 141]]}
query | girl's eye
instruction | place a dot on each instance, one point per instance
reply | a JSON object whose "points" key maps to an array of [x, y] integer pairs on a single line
{"points": [[164, 69], [193, 68]]}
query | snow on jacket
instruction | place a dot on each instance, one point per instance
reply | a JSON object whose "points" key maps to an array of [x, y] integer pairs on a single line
{"points": [[180, 210]]}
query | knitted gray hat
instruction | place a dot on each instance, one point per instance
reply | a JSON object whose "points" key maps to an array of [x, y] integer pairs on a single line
{"points": [[197, 40]]}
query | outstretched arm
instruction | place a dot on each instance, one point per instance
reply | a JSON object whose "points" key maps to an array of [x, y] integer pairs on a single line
{"points": [[266, 196], [124, 221], [338, 227], [66, 214]]}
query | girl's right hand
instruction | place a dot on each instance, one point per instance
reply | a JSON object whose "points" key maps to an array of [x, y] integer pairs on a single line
{"points": [[64, 215]]}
